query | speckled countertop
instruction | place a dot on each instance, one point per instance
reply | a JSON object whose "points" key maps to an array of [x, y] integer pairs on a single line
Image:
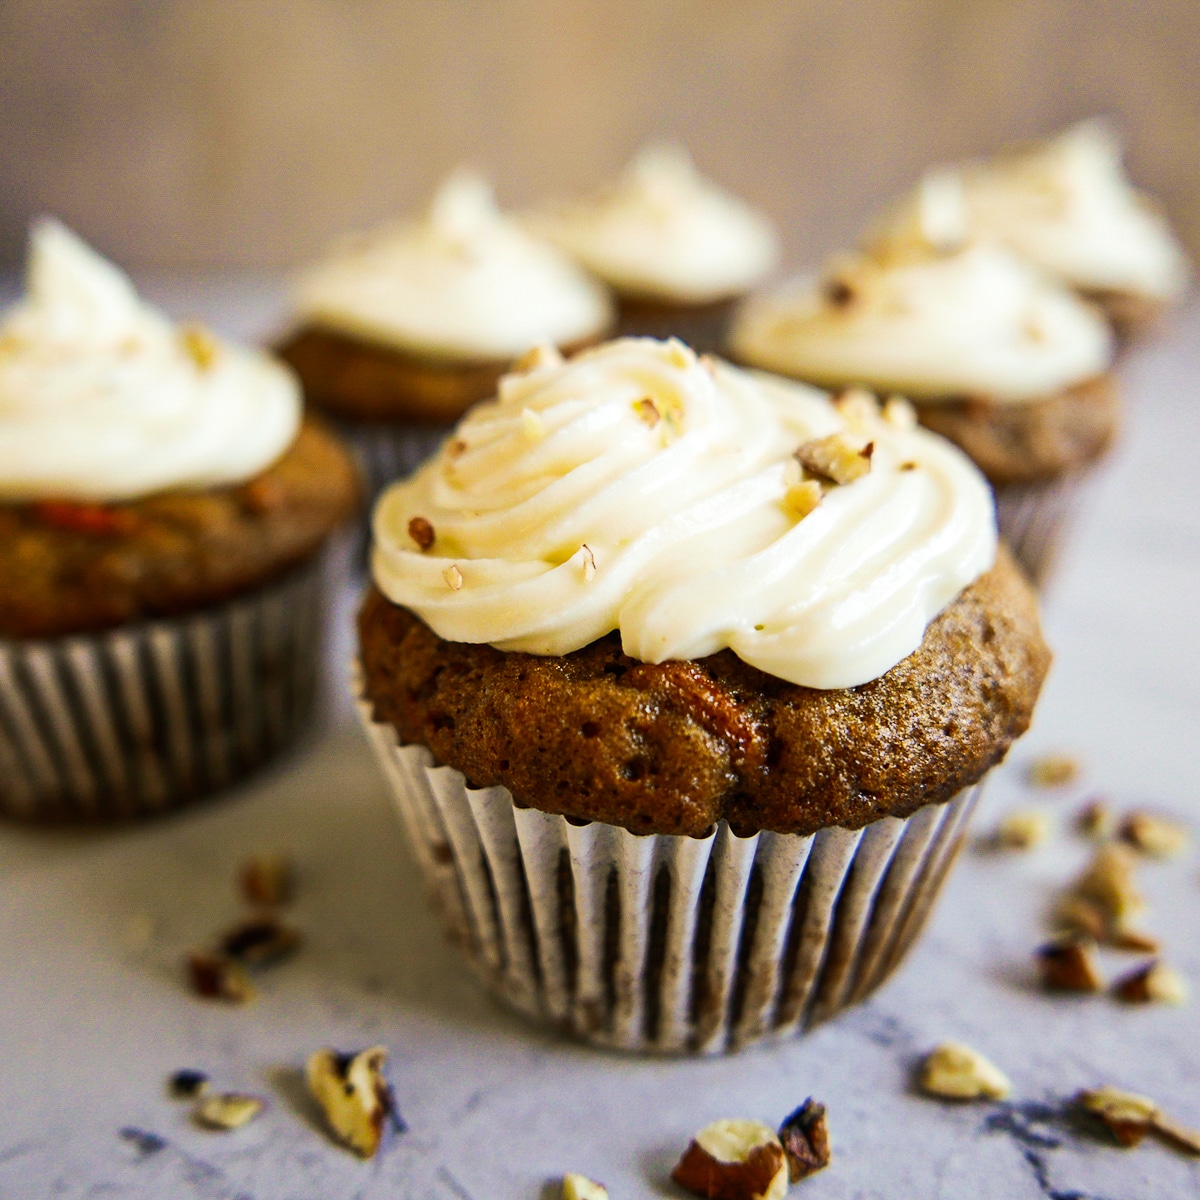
{"points": [[92, 927]]}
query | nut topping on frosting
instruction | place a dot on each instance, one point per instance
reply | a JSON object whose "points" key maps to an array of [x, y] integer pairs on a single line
{"points": [[704, 531], [102, 399], [936, 324]]}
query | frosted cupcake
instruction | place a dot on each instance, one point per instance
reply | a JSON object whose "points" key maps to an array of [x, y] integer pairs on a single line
{"points": [[162, 512], [398, 332], [677, 250], [997, 357], [685, 680], [1066, 206]]}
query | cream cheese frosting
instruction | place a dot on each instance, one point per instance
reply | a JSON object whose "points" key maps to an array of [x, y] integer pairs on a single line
{"points": [[1067, 206], [664, 232], [935, 324], [101, 398], [639, 488], [463, 282]]}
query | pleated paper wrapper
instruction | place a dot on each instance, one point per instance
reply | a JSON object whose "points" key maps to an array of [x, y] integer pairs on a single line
{"points": [[146, 717], [385, 453], [1035, 520], [661, 943]]}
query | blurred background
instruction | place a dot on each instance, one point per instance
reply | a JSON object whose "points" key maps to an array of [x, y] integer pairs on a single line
{"points": [[248, 132]]}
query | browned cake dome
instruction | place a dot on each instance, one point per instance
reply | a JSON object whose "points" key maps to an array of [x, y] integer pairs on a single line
{"points": [[676, 746]]}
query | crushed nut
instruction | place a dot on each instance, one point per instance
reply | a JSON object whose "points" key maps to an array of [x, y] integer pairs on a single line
{"points": [[532, 425], [835, 458], [200, 345], [1053, 770], [453, 577], [956, 1072], [680, 354], [269, 880], [264, 495], [908, 466], [1094, 820], [217, 977], [1129, 1117], [536, 357], [260, 942], [1177, 1135], [1154, 983], [1132, 939], [228, 1110], [837, 292], [734, 1160], [805, 1139], [580, 1187], [421, 532], [1022, 830], [857, 405], [803, 497], [455, 447], [1108, 882], [354, 1095], [187, 1084], [1075, 915], [589, 563], [900, 412], [647, 411], [1069, 966], [1157, 837]]}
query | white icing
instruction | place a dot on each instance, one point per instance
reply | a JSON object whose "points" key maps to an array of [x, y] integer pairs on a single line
{"points": [[561, 512], [101, 398], [664, 232], [462, 283], [1067, 206], [976, 321]]}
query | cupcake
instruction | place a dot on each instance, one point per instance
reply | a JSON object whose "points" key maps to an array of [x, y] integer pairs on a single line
{"points": [[997, 357], [1066, 206], [399, 332], [162, 513], [677, 250], [685, 731]]}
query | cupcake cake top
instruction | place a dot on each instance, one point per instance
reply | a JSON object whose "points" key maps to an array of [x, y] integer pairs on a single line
{"points": [[692, 506], [1067, 206], [931, 314], [462, 282], [102, 398], [663, 232]]}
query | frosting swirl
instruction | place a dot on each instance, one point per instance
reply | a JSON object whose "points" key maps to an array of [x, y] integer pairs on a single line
{"points": [[461, 283], [664, 232], [934, 324], [637, 487], [1066, 206], [101, 398]]}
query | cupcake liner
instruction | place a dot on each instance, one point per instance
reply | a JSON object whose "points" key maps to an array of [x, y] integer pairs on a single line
{"points": [[145, 717], [662, 943], [1034, 520], [385, 453]]}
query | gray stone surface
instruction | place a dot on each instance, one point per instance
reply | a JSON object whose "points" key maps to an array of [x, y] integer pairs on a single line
{"points": [[92, 927]]}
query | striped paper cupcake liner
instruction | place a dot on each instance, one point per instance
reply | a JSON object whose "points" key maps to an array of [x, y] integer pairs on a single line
{"points": [[667, 944], [1035, 519], [385, 453], [146, 717]]}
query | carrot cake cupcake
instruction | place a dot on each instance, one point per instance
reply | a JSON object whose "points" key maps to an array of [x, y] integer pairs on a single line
{"points": [[996, 356], [398, 332], [685, 679], [1066, 206], [162, 511], [678, 251]]}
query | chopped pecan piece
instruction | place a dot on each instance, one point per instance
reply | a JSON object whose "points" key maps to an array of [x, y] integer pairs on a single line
{"points": [[268, 880], [835, 458], [956, 1072], [1069, 966], [218, 977], [354, 1095], [228, 1110], [1153, 983], [734, 1160], [805, 1139]]}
